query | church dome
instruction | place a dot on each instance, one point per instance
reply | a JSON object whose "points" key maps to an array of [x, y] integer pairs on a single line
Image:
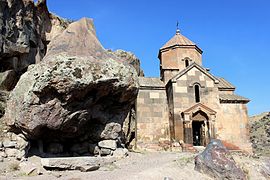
{"points": [[179, 40]]}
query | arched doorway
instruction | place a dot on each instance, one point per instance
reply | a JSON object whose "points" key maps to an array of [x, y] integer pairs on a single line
{"points": [[200, 128], [198, 133], [198, 120]]}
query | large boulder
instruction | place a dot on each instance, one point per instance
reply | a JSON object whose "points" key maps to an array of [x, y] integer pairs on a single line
{"points": [[78, 92], [217, 162], [26, 28], [129, 58]]}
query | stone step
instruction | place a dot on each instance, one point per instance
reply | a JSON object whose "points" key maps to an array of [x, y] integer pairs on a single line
{"points": [[83, 164]]}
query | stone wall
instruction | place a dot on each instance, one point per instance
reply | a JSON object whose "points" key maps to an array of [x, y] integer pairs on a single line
{"points": [[184, 96], [167, 74], [232, 126], [227, 122], [152, 118], [175, 59]]}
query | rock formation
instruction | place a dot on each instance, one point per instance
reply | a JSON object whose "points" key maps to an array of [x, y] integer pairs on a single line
{"points": [[129, 123], [25, 32], [129, 58], [26, 29], [260, 134], [78, 93], [217, 162]]}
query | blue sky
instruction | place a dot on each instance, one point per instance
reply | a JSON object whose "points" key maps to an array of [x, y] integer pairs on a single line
{"points": [[234, 35]]}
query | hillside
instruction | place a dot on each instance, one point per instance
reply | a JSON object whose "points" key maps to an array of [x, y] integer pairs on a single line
{"points": [[260, 134]]}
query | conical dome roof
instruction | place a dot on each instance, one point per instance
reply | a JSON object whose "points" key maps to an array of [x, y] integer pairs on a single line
{"points": [[179, 40]]}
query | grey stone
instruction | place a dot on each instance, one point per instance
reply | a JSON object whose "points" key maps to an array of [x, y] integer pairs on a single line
{"points": [[105, 151], [11, 152], [109, 144], [22, 143], [21, 154], [3, 154], [31, 169], [217, 162], [9, 144], [94, 149], [120, 153], [11, 136], [1, 144], [111, 131], [75, 163]]}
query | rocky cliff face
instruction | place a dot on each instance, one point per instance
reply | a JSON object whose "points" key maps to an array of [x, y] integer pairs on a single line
{"points": [[79, 93], [26, 29]]}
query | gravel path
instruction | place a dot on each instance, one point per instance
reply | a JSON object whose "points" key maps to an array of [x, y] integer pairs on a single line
{"points": [[139, 166], [144, 166]]}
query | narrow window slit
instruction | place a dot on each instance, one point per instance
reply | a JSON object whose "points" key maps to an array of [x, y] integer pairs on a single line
{"points": [[197, 93]]}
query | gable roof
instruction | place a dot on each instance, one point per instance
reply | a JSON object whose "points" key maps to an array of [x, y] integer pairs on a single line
{"points": [[199, 106], [194, 64], [148, 83], [224, 84]]}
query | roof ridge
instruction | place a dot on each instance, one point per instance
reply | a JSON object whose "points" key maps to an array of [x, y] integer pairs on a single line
{"points": [[224, 84], [178, 75], [178, 39]]}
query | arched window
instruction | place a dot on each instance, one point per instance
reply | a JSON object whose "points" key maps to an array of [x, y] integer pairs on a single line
{"points": [[197, 93], [187, 62]]}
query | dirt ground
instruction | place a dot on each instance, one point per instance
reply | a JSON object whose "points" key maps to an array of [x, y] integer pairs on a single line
{"points": [[141, 166]]}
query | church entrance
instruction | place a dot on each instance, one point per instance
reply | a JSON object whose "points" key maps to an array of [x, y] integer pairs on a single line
{"points": [[198, 125], [198, 129]]}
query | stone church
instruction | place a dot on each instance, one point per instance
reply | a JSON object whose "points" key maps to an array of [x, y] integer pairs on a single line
{"points": [[189, 104]]}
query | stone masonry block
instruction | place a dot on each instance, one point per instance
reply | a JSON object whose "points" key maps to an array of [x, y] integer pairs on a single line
{"points": [[181, 89], [154, 95]]}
